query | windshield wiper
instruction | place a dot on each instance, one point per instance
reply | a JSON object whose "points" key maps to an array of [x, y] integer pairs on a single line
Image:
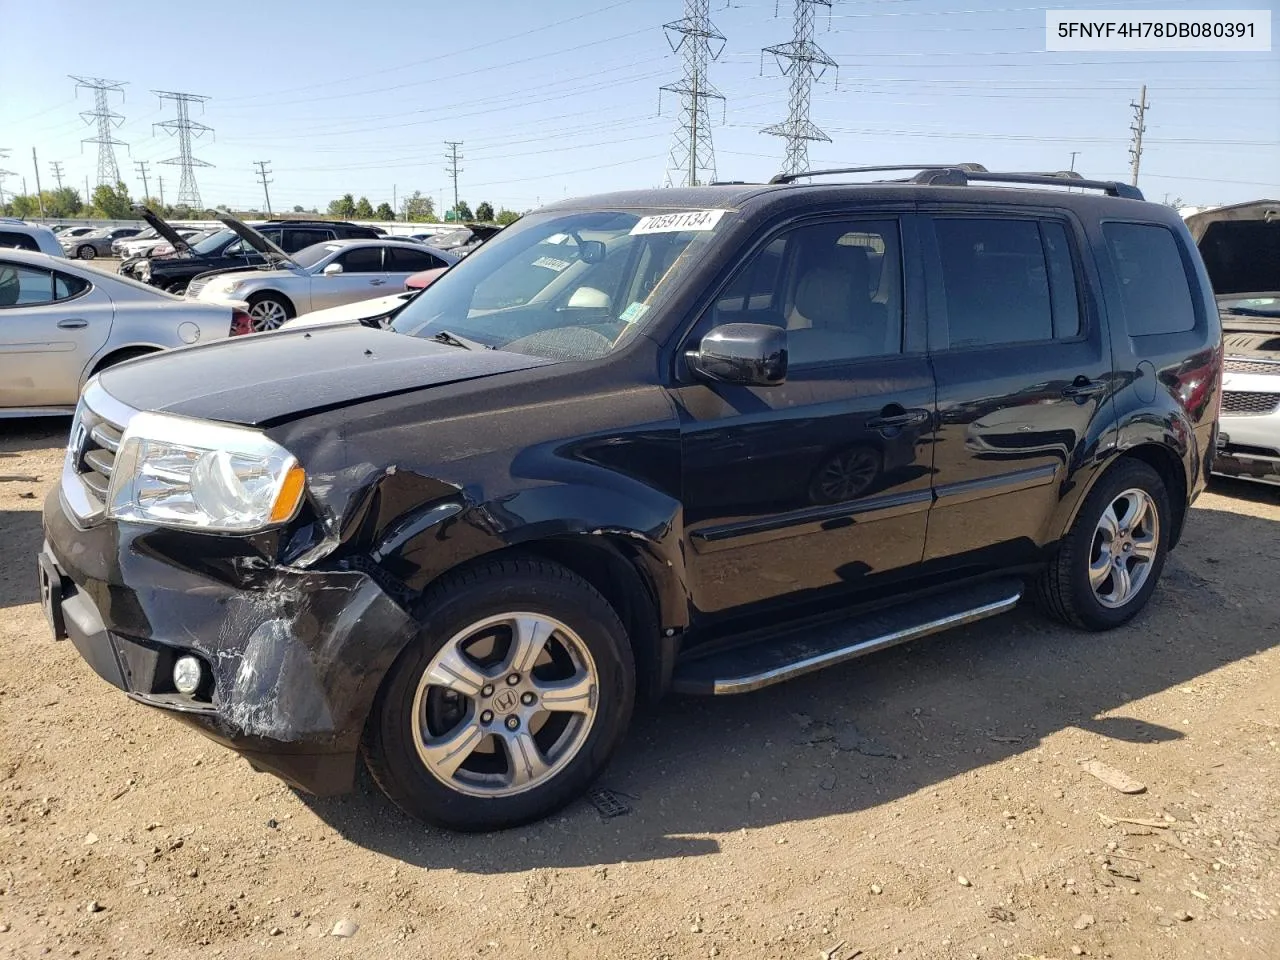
{"points": [[453, 340], [1254, 312]]}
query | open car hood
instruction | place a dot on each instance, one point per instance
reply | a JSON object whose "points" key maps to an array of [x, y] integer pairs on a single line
{"points": [[1240, 245], [256, 240], [162, 227]]}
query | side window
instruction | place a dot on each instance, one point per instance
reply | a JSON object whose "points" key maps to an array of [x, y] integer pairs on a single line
{"points": [[835, 286], [1063, 291], [1154, 293], [20, 240], [295, 239], [66, 286], [404, 260], [274, 234], [237, 248], [22, 286], [361, 260], [994, 280]]}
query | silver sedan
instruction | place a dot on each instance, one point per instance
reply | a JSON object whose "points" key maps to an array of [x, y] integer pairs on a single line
{"points": [[320, 276], [61, 323]]}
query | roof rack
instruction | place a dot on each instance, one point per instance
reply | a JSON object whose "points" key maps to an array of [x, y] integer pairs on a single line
{"points": [[960, 174]]}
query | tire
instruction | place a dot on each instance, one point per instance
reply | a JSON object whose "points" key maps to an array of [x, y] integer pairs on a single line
{"points": [[86, 252], [488, 788], [1082, 587], [270, 311]]}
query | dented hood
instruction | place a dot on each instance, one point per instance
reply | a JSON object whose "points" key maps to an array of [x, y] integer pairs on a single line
{"points": [[1240, 246], [275, 377]]}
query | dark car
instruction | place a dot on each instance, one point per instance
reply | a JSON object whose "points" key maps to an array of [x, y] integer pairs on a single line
{"points": [[234, 248], [700, 440]]}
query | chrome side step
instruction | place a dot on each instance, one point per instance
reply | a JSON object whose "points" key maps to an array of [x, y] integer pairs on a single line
{"points": [[813, 647]]}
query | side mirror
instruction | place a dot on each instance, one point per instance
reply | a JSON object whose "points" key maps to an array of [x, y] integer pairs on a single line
{"points": [[753, 354], [332, 270], [592, 251]]}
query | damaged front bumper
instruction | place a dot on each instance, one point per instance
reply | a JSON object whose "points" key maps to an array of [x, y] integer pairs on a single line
{"points": [[293, 658]]}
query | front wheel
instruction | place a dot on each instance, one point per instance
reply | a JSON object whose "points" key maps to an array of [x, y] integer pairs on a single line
{"points": [[269, 311], [513, 698], [86, 251], [1108, 564]]}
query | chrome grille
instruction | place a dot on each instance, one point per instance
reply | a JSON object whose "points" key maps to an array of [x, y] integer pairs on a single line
{"points": [[96, 434], [1249, 404], [1240, 365], [99, 441], [194, 288]]}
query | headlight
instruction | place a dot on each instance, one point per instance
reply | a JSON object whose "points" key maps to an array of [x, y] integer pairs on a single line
{"points": [[144, 270], [191, 473], [233, 286]]}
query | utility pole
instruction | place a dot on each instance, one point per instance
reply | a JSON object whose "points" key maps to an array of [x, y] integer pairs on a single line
{"points": [[1139, 127], [262, 178], [142, 171], [104, 119], [39, 193], [88, 197], [395, 215], [57, 171], [806, 63], [161, 181], [183, 127], [1074, 154], [3, 173], [693, 158], [452, 169]]}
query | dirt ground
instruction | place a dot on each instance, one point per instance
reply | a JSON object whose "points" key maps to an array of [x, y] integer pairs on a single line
{"points": [[926, 802]]}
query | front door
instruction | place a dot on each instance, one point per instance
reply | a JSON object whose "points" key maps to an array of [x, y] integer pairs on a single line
{"points": [[819, 484], [1023, 366], [363, 276], [51, 324]]}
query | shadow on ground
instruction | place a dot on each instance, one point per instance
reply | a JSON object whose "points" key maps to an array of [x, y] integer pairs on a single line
{"points": [[31, 433], [867, 733]]}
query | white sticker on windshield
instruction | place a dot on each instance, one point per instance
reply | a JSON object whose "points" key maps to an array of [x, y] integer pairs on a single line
{"points": [[551, 263], [678, 222], [634, 312]]}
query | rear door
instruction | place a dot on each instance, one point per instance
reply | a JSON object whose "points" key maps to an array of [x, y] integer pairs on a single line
{"points": [[51, 323], [404, 262], [1024, 372], [822, 483]]}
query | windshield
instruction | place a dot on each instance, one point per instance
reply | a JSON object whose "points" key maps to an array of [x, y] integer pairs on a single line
{"points": [[565, 286], [213, 243], [310, 256]]}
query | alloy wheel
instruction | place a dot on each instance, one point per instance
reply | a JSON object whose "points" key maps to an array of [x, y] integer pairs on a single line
{"points": [[1125, 543], [505, 705], [268, 315]]}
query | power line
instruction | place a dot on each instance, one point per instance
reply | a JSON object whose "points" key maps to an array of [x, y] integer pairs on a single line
{"points": [[105, 119], [142, 172], [183, 127], [806, 63], [452, 169], [693, 157], [262, 178], [1139, 127]]}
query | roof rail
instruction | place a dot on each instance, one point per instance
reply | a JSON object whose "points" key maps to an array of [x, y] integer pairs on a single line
{"points": [[793, 177], [960, 174]]}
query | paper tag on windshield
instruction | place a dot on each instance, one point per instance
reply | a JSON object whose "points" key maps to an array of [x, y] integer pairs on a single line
{"points": [[678, 222], [634, 312], [552, 263]]}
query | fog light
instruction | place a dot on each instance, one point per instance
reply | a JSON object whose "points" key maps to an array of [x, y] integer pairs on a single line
{"points": [[187, 674]]}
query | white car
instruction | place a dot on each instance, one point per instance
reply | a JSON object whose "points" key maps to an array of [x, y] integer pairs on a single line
{"points": [[61, 323], [369, 312], [20, 235], [322, 275]]}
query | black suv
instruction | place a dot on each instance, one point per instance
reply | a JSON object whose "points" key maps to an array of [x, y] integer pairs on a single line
{"points": [[700, 440], [234, 248]]}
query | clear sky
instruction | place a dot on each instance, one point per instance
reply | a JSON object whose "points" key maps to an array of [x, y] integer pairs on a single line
{"points": [[560, 97]]}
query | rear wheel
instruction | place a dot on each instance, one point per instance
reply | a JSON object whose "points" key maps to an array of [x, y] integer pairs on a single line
{"points": [[86, 251], [269, 311], [510, 703], [1108, 564]]}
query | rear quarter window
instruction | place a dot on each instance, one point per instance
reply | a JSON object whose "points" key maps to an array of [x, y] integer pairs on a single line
{"points": [[1155, 294], [21, 241]]}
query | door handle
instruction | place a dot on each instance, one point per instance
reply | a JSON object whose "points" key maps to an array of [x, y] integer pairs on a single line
{"points": [[74, 323], [891, 419], [1083, 387]]}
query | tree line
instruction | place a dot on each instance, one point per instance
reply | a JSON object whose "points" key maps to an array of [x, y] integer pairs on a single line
{"points": [[416, 208]]}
